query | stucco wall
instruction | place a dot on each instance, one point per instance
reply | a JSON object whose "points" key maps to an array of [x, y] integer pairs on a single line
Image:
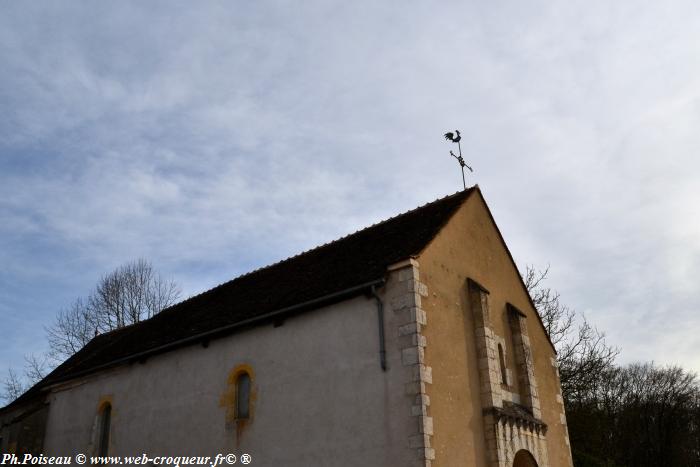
{"points": [[320, 397], [469, 247]]}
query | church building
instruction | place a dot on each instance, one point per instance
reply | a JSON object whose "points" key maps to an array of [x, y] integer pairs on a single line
{"points": [[410, 343]]}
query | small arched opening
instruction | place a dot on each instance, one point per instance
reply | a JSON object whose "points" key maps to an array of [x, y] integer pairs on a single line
{"points": [[104, 427], [243, 396], [524, 459], [502, 363]]}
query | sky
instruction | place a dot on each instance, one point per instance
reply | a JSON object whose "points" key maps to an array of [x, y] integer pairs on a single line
{"points": [[213, 138]]}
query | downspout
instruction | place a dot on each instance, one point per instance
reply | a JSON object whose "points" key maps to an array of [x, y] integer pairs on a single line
{"points": [[380, 322]]}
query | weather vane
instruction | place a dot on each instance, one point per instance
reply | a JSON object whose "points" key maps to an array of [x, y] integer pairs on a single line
{"points": [[456, 139]]}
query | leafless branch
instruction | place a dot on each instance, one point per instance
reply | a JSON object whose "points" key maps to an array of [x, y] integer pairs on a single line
{"points": [[12, 387], [129, 294]]}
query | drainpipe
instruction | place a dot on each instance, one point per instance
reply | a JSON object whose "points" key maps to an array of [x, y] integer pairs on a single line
{"points": [[380, 320]]}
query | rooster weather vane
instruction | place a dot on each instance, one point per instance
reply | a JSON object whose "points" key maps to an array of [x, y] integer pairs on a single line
{"points": [[456, 138]]}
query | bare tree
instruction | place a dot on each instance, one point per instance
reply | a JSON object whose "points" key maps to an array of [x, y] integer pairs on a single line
{"points": [[582, 352], [129, 294], [73, 328], [36, 367], [12, 387], [558, 319], [638, 415]]}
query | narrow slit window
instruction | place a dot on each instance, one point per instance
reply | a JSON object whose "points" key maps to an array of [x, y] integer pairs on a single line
{"points": [[243, 396], [502, 362], [105, 422]]}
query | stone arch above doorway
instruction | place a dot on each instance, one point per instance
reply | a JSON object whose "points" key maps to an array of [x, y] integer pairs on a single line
{"points": [[523, 458]]}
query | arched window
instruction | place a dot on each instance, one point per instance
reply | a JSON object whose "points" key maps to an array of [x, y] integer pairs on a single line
{"points": [[243, 396], [502, 361], [104, 429]]}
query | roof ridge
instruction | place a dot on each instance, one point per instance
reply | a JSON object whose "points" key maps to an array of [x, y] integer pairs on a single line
{"points": [[289, 258]]}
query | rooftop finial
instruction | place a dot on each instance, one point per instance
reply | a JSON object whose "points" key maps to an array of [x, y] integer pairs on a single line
{"points": [[456, 138]]}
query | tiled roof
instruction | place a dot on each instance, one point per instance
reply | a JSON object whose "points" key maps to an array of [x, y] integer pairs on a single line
{"points": [[326, 271]]}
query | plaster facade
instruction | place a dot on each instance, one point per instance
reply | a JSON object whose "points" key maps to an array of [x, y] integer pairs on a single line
{"points": [[319, 397]]}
